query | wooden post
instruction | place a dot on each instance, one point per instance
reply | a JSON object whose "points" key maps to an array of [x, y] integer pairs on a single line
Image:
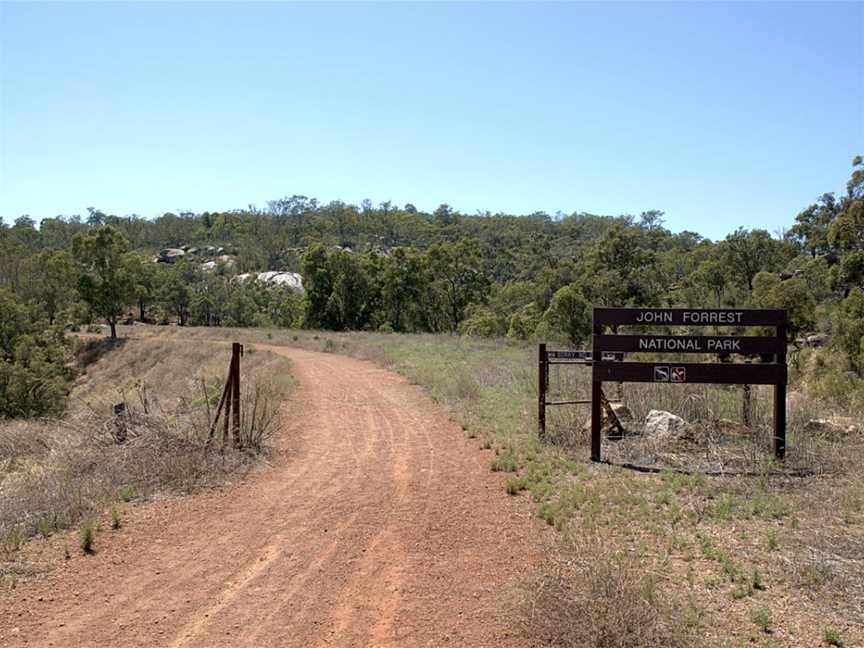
{"points": [[746, 406], [222, 402], [230, 400], [780, 399], [596, 396], [236, 352], [229, 387], [541, 392]]}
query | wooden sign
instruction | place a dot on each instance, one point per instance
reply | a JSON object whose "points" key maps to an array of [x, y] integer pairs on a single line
{"points": [[689, 317], [773, 348], [719, 344], [568, 355], [678, 372], [580, 355]]}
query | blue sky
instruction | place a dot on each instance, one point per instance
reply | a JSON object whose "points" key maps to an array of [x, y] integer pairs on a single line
{"points": [[722, 115]]}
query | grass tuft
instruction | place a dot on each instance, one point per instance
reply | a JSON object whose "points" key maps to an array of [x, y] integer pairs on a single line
{"points": [[594, 595], [761, 616], [832, 637], [87, 536], [126, 493]]}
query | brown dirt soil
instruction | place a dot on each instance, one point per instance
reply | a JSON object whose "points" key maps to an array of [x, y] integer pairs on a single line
{"points": [[379, 524]]}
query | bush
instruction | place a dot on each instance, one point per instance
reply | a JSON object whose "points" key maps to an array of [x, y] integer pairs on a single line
{"points": [[570, 313], [524, 322], [126, 493], [87, 536], [832, 637], [593, 596], [481, 322], [761, 616]]}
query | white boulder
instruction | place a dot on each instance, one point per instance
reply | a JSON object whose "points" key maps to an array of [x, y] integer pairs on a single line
{"points": [[290, 280], [836, 426], [659, 423]]}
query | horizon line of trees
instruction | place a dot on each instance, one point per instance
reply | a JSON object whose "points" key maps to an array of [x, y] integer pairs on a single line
{"points": [[396, 269]]}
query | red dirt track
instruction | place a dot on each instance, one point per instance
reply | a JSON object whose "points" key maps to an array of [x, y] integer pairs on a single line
{"points": [[379, 524]]}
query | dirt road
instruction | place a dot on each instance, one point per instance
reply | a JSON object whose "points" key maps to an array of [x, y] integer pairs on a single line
{"points": [[378, 525]]}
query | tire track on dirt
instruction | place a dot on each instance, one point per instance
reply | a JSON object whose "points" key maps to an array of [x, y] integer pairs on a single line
{"points": [[379, 524]]}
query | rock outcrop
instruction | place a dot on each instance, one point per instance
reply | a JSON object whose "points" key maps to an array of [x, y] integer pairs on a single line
{"points": [[291, 280]]}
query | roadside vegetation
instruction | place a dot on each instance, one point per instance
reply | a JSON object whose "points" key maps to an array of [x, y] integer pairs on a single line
{"points": [[59, 474]]}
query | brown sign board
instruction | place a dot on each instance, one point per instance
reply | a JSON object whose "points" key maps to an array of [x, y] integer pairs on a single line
{"points": [[681, 372], [568, 355], [689, 317], [715, 344], [670, 371], [580, 355]]}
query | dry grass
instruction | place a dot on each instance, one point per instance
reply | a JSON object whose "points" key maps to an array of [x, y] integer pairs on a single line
{"points": [[591, 595], [55, 473]]}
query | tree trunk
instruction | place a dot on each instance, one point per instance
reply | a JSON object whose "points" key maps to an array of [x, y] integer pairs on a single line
{"points": [[113, 325], [141, 309]]}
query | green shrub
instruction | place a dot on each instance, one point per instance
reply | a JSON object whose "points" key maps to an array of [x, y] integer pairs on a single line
{"points": [[126, 493], [116, 523], [832, 637], [87, 536], [761, 616]]}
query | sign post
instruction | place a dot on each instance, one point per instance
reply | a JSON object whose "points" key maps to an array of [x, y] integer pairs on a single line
{"points": [[541, 394], [772, 373]]}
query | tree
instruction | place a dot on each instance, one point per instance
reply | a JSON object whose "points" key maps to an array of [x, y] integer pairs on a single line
{"points": [[482, 321], [810, 231], [174, 295], [712, 275], [318, 283], [793, 295], [107, 278], [457, 275], [34, 375], [846, 233], [849, 328], [748, 252], [443, 215], [402, 286], [241, 308], [570, 313], [652, 219], [523, 323], [620, 271], [147, 282], [47, 282]]}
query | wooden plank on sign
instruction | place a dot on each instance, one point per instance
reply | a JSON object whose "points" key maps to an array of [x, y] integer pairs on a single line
{"points": [[722, 344], [688, 372], [690, 316], [568, 355]]}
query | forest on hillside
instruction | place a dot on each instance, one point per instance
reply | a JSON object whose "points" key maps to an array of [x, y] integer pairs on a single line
{"points": [[397, 269]]}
